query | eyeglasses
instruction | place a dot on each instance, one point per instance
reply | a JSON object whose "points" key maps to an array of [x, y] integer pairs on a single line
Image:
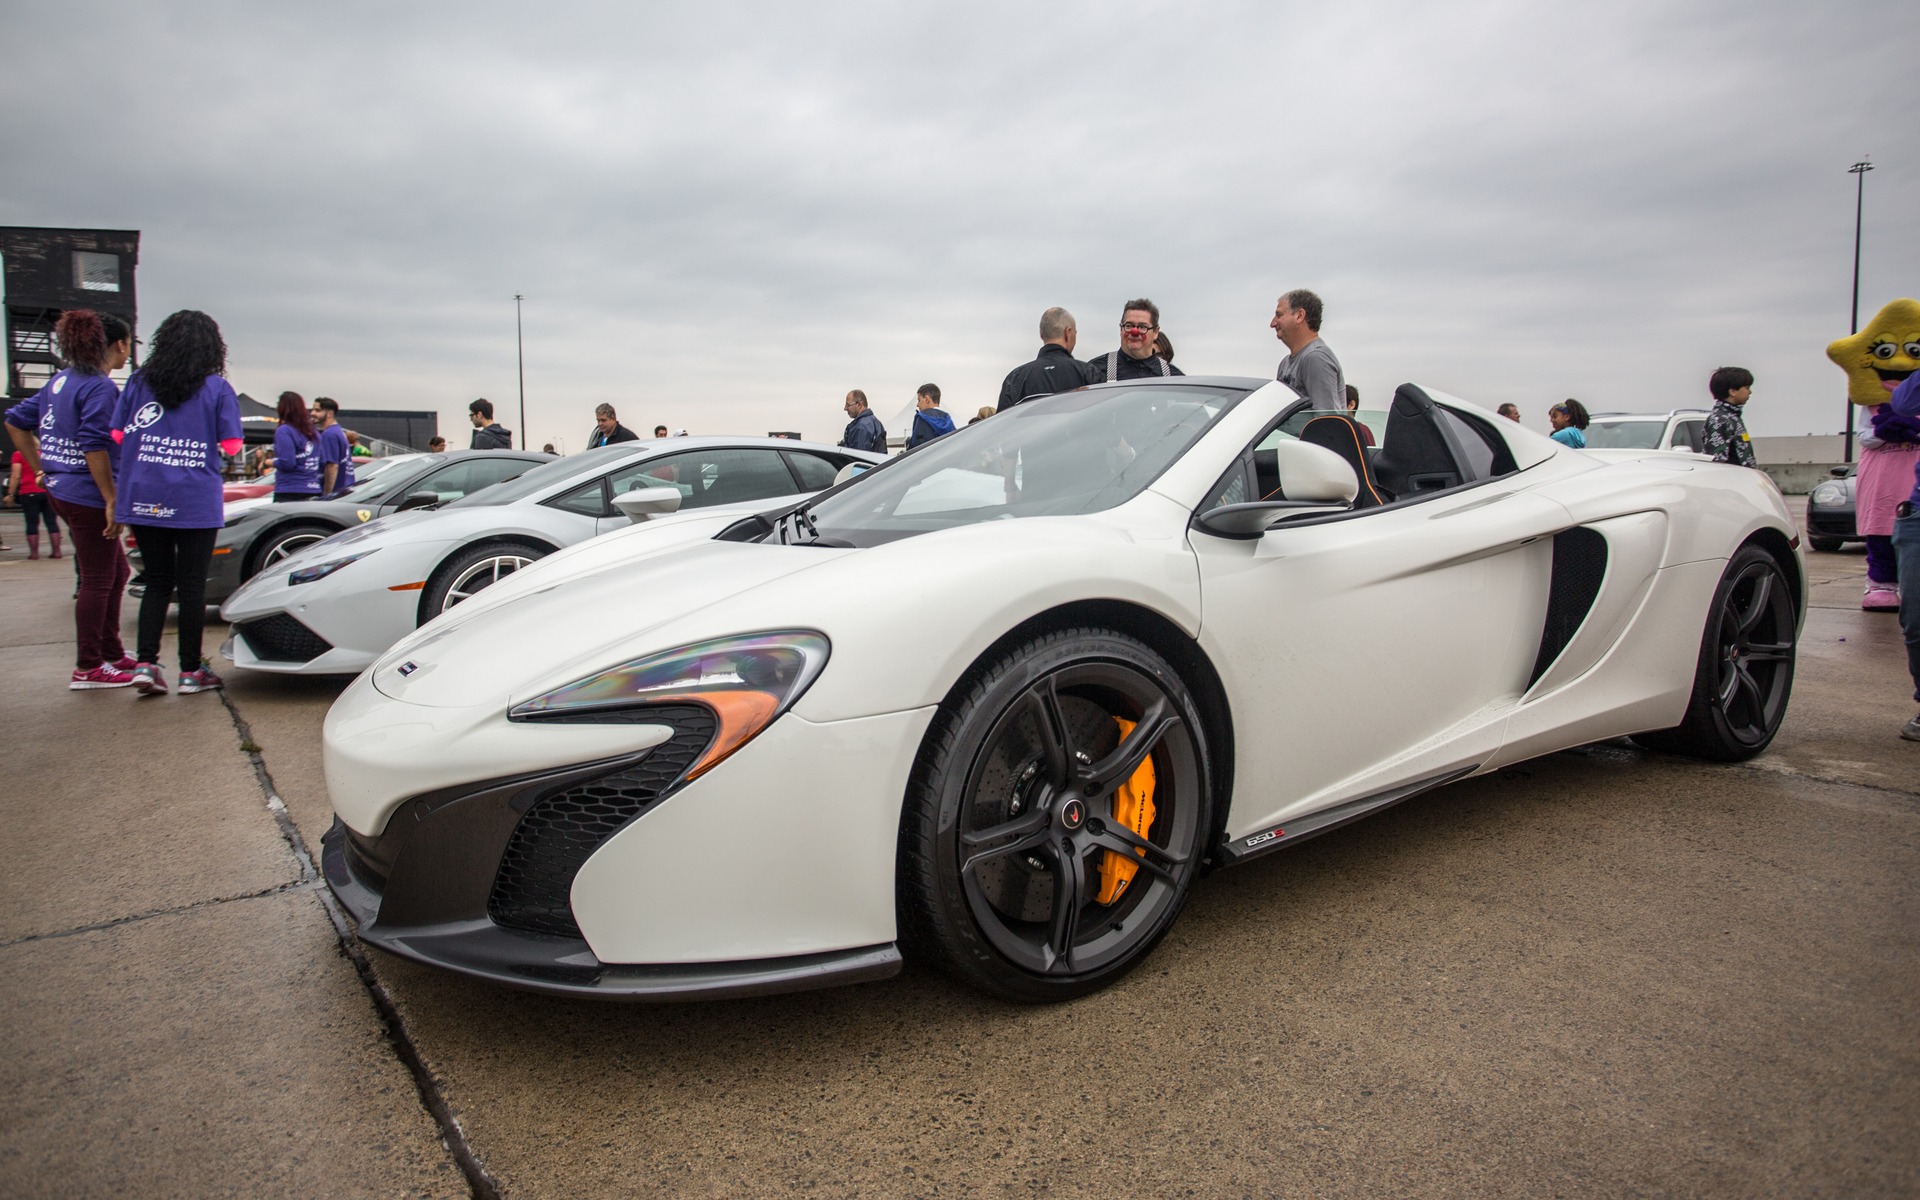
{"points": [[1135, 327]]}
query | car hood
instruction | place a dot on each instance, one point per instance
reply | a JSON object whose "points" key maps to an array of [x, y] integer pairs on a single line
{"points": [[489, 656]]}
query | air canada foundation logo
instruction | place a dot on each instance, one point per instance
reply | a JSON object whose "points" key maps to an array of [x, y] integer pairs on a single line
{"points": [[148, 414]]}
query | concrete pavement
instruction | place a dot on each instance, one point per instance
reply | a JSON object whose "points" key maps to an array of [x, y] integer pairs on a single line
{"points": [[1602, 973]]}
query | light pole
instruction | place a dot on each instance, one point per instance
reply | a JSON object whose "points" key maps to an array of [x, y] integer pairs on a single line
{"points": [[520, 351], [1859, 172]]}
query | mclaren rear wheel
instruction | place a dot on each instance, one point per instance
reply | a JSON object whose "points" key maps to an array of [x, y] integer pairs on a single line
{"points": [[1056, 819], [1745, 670]]}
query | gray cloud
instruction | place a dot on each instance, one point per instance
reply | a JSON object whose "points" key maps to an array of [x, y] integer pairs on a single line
{"points": [[724, 219]]}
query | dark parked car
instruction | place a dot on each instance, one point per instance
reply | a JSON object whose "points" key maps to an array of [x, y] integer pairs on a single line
{"points": [[1830, 517]]}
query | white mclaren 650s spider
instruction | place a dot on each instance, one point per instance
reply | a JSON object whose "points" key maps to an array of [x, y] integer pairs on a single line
{"points": [[999, 703]]}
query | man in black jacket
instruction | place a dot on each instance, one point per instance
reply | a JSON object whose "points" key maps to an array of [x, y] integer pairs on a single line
{"points": [[864, 431], [487, 434], [1056, 370], [607, 429], [1135, 359]]}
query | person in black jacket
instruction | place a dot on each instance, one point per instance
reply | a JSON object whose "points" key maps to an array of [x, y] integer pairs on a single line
{"points": [[607, 429], [487, 434], [1135, 359], [864, 431], [1055, 370]]}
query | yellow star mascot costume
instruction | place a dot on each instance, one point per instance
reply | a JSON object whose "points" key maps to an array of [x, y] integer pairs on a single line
{"points": [[1876, 359]]}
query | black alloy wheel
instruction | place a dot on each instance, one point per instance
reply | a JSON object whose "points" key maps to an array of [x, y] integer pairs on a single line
{"points": [[1016, 846], [1745, 670]]}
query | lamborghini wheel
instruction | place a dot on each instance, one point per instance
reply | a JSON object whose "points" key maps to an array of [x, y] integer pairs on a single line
{"points": [[1745, 669], [1056, 819]]}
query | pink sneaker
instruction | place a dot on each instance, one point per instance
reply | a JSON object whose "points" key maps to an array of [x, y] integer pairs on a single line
{"points": [[125, 662], [102, 676], [1880, 598], [148, 680]]}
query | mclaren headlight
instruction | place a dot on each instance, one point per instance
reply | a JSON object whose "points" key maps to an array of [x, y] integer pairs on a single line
{"points": [[1829, 494], [747, 681]]}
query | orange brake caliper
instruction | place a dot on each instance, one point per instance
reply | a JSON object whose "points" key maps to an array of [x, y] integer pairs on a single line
{"points": [[1132, 807]]}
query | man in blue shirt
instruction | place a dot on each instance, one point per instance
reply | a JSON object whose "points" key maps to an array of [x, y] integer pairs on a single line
{"points": [[336, 452], [864, 430]]}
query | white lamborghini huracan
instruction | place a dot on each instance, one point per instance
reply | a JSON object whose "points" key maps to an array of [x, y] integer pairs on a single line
{"points": [[1000, 702]]}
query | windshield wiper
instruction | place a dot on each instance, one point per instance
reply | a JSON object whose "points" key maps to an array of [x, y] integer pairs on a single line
{"points": [[798, 520]]}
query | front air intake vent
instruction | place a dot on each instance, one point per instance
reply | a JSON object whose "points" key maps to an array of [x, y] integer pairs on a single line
{"points": [[281, 638], [562, 829], [1579, 567]]}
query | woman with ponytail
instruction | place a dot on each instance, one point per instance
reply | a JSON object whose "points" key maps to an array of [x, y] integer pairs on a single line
{"points": [[64, 431], [176, 419], [296, 452]]}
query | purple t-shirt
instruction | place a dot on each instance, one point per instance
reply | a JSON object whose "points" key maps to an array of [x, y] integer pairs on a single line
{"points": [[170, 457], [72, 414], [1906, 401], [336, 449], [296, 462]]}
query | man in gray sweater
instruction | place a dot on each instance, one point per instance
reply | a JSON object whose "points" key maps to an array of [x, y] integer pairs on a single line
{"points": [[1309, 368]]}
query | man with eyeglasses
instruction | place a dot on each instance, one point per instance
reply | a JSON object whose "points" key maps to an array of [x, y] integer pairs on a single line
{"points": [[1135, 359], [1310, 367]]}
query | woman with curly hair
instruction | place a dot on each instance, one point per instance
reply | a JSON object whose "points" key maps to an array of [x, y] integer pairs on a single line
{"points": [[176, 418], [64, 431], [296, 452], [1569, 419]]}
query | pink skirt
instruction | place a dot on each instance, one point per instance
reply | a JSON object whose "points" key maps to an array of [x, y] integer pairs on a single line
{"points": [[1885, 479]]}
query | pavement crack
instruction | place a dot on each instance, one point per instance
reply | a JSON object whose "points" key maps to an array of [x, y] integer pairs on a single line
{"points": [[479, 1183], [297, 885]]}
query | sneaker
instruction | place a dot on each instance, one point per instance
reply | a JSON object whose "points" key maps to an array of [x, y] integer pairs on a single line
{"points": [[126, 662], [148, 680], [102, 676], [1911, 730], [1880, 598], [203, 680]]}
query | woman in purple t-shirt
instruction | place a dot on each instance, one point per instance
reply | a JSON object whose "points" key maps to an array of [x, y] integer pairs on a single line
{"points": [[174, 421], [65, 431], [296, 452]]}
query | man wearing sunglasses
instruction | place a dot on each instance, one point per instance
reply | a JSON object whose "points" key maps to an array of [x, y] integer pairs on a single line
{"points": [[1135, 359]]}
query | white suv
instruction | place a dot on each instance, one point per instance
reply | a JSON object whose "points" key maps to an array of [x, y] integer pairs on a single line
{"points": [[1682, 429]]}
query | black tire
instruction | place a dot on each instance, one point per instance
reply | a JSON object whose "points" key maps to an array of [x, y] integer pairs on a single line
{"points": [[472, 570], [1745, 670], [285, 540], [1001, 819], [1826, 545]]}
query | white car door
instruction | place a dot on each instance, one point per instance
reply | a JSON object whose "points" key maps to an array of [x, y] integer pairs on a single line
{"points": [[705, 478], [1376, 649]]}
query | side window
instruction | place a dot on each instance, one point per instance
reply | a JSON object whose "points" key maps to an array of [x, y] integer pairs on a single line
{"points": [[1690, 435], [1473, 445], [705, 478], [464, 478], [815, 473], [589, 500]]}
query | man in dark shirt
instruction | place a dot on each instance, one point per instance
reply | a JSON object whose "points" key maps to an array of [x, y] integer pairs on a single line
{"points": [[1055, 370], [488, 434], [1135, 359], [607, 429]]}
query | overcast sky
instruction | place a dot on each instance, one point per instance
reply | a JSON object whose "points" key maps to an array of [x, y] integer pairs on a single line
{"points": [[722, 217]]}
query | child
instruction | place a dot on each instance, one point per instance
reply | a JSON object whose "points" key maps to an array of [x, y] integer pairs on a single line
{"points": [[1727, 439]]}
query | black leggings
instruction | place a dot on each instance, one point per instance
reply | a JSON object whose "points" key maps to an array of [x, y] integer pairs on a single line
{"points": [[176, 560], [38, 509]]}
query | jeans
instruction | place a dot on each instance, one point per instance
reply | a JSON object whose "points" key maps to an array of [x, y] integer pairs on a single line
{"points": [[38, 507], [1906, 551], [176, 561], [102, 567]]}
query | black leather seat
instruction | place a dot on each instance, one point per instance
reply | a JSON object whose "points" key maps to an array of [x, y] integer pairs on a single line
{"points": [[1338, 433]]}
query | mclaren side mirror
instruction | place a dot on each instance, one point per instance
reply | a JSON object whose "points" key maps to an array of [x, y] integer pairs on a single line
{"points": [[419, 500], [849, 471], [645, 502], [1252, 520]]}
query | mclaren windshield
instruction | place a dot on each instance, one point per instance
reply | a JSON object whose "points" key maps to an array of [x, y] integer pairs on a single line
{"points": [[1067, 455]]}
